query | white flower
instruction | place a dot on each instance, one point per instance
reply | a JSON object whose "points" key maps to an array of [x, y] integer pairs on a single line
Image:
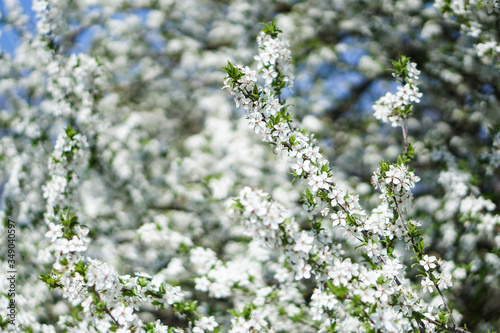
{"points": [[281, 150], [202, 283], [413, 72], [373, 249], [78, 244], [257, 123], [324, 212], [428, 262], [100, 275], [337, 197], [444, 281], [302, 166], [392, 267], [321, 181], [248, 80], [202, 259], [312, 153], [427, 285], [304, 244], [388, 106], [269, 74], [123, 314], [54, 232], [303, 270], [205, 324], [87, 303], [338, 218], [63, 245], [281, 131]]}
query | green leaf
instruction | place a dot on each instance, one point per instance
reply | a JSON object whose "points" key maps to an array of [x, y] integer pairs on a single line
{"points": [[233, 72], [131, 293], [70, 132], [80, 267], [143, 282], [234, 313], [237, 205], [49, 280], [340, 292], [247, 311], [350, 220], [271, 29]]}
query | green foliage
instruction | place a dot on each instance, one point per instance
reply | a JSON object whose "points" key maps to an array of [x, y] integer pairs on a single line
{"points": [[4, 322], [400, 68], [271, 28], [233, 72], [70, 132]]}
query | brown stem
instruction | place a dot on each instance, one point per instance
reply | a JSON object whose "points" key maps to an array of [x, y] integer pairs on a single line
{"points": [[106, 308], [450, 329], [405, 133], [415, 250]]}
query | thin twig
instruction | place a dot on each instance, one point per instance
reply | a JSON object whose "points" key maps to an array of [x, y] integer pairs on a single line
{"points": [[404, 127], [415, 248], [106, 308]]}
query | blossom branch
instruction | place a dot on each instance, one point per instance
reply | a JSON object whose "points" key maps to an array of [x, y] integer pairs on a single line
{"points": [[268, 115]]}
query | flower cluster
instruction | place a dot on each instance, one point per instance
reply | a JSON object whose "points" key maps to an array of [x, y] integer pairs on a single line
{"points": [[70, 156], [159, 155], [310, 253], [474, 23], [107, 299], [265, 222], [305, 251], [262, 218], [274, 56], [82, 280], [310, 164], [394, 108], [395, 183]]}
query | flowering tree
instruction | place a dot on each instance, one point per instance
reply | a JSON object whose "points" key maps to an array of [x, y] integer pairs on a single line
{"points": [[142, 200]]}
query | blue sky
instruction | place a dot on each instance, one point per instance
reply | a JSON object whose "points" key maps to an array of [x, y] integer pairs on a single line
{"points": [[8, 39]]}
